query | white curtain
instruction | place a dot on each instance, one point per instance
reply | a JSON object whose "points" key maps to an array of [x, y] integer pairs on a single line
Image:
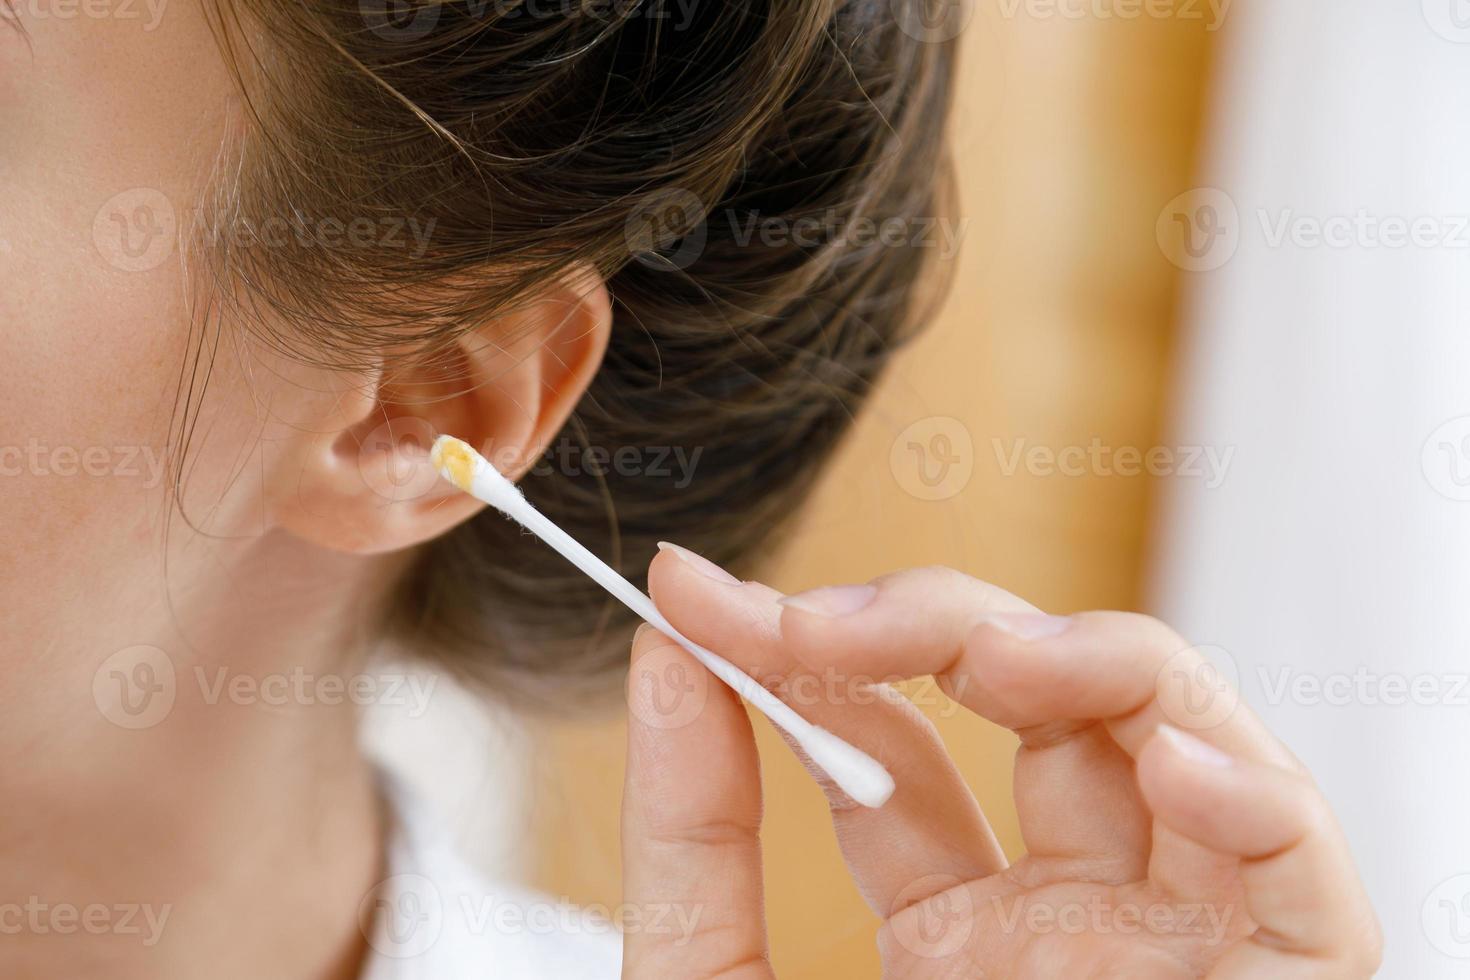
{"points": [[1328, 344]]}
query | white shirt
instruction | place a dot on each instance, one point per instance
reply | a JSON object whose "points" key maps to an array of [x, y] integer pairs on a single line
{"points": [[436, 918], [1327, 568]]}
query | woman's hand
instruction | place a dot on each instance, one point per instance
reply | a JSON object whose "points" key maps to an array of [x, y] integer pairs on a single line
{"points": [[1168, 834]]}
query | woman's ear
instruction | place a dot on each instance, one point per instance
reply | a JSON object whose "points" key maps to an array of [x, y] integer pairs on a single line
{"points": [[364, 483]]}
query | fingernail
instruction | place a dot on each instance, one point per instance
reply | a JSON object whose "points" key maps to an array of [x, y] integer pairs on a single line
{"points": [[699, 563], [832, 601], [1030, 626], [1194, 749]]}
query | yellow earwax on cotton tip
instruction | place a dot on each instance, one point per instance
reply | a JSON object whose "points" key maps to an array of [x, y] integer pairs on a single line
{"points": [[454, 459]]}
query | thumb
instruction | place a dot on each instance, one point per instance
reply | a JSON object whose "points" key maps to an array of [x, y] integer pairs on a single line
{"points": [[691, 823]]}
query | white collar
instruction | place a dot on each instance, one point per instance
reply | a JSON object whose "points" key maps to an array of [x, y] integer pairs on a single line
{"points": [[433, 917]]}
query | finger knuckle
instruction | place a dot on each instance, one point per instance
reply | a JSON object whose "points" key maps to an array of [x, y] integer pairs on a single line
{"points": [[1160, 640], [925, 575], [1364, 958], [712, 833]]}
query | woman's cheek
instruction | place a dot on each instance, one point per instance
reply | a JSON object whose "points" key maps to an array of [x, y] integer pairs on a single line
{"points": [[104, 124]]}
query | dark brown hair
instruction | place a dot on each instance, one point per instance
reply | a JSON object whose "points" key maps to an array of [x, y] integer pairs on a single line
{"points": [[722, 165]]}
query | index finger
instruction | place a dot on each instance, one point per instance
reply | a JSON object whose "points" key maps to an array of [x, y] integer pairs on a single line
{"points": [[1035, 674]]}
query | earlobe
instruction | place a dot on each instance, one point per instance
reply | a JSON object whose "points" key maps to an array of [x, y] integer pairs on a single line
{"points": [[363, 482]]}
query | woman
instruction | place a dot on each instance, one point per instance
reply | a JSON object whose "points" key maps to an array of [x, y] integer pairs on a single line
{"points": [[258, 253]]}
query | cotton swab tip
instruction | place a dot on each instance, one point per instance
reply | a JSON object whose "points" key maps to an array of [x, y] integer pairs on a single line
{"points": [[455, 460], [856, 773]]}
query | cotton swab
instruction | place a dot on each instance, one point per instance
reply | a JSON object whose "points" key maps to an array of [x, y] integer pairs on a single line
{"points": [[858, 774]]}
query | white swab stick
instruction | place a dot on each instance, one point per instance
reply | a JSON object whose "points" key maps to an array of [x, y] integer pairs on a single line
{"points": [[858, 774]]}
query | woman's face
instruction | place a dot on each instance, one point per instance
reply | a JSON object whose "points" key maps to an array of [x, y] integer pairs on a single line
{"points": [[113, 120], [110, 114], [117, 118]]}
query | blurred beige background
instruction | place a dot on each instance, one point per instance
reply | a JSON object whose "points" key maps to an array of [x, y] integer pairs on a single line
{"points": [[1071, 134]]}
